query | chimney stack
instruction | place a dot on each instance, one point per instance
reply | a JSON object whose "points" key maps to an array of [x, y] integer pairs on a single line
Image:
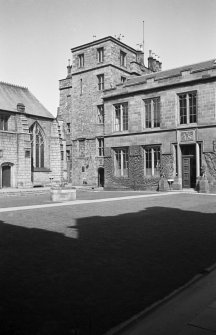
{"points": [[21, 107], [140, 57], [154, 63], [69, 68]]}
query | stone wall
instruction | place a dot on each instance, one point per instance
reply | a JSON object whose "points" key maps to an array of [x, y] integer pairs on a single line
{"points": [[165, 136], [15, 150], [136, 179]]}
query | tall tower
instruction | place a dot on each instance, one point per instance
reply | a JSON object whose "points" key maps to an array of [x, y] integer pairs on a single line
{"points": [[96, 66]]}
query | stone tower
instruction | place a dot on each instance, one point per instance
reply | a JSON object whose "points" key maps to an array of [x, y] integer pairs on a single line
{"points": [[96, 66]]}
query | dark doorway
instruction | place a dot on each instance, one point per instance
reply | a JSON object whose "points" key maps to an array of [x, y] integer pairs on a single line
{"points": [[188, 166], [101, 177], [6, 176]]}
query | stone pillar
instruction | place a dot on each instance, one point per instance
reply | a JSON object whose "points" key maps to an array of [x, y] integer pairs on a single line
{"points": [[179, 157], [197, 160], [152, 156]]}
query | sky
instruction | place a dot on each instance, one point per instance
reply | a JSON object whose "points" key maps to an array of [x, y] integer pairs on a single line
{"points": [[36, 36]]}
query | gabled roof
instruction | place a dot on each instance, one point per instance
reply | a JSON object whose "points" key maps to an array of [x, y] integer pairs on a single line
{"points": [[11, 95], [102, 40], [207, 65]]}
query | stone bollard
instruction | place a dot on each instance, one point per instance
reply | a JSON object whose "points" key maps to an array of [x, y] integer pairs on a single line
{"points": [[203, 185], [62, 194]]}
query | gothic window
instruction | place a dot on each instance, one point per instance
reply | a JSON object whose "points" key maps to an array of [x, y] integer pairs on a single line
{"points": [[37, 146]]}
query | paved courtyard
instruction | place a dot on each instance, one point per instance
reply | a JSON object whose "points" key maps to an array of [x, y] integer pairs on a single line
{"points": [[91, 265]]}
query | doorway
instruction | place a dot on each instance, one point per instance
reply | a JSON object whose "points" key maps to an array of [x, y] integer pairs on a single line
{"points": [[101, 177], [188, 166], [6, 176]]}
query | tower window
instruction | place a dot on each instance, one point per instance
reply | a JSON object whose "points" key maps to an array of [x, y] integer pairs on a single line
{"points": [[100, 55], [100, 82], [81, 60], [123, 58], [100, 114]]}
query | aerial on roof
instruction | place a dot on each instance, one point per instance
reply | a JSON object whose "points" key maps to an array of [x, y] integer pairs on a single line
{"points": [[12, 95], [173, 72]]}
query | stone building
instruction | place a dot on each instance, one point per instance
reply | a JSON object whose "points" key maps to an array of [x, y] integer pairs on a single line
{"points": [[30, 151], [126, 125], [99, 65], [162, 124]]}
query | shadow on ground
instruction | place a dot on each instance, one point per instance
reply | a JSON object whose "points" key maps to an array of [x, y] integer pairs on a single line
{"points": [[51, 284]]}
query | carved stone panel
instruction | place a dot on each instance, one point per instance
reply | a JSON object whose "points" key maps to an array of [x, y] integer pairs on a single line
{"points": [[187, 136]]}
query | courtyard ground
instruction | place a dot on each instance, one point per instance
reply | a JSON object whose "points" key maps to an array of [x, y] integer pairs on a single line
{"points": [[93, 265]]}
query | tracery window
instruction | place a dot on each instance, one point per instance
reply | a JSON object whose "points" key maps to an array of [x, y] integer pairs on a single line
{"points": [[37, 146]]}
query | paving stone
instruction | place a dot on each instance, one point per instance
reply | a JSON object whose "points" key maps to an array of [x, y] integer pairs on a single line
{"points": [[206, 320], [191, 330]]}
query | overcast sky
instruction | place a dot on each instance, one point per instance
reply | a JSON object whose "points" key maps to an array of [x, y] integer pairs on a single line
{"points": [[36, 35]]}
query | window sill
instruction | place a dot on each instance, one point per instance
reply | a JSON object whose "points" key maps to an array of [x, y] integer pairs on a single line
{"points": [[187, 124], [120, 132], [153, 128], [122, 177], [41, 169]]}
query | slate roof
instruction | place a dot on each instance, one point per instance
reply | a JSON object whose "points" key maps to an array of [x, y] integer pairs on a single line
{"points": [[173, 72], [11, 95]]}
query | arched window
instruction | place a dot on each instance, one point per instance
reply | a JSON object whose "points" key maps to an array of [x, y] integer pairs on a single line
{"points": [[37, 146]]}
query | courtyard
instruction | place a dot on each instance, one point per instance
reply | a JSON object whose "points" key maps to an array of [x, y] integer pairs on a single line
{"points": [[92, 264]]}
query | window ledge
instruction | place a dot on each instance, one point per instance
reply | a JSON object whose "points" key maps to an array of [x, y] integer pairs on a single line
{"points": [[121, 132], [187, 124], [153, 128], [41, 169]]}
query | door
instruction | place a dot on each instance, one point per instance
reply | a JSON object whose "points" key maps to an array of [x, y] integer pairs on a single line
{"points": [[188, 172], [186, 176], [101, 177], [6, 176]]}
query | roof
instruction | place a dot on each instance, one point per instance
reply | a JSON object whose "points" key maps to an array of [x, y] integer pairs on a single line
{"points": [[11, 95], [207, 65], [102, 40]]}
